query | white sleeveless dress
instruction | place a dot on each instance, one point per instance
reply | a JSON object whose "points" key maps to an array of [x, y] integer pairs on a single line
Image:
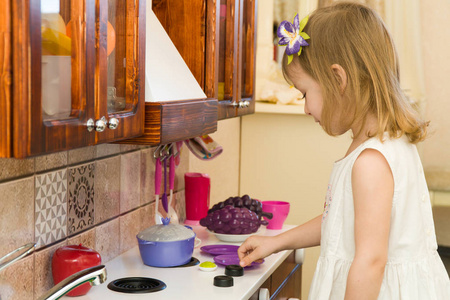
{"points": [[414, 270]]}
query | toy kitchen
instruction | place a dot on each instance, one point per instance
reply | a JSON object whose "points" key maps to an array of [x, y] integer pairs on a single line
{"points": [[198, 259], [129, 277]]}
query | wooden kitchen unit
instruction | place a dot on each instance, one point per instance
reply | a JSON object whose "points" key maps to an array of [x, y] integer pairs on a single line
{"points": [[217, 40], [71, 74]]}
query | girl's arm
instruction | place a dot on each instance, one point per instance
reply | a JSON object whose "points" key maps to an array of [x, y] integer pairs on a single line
{"points": [[373, 189], [258, 247]]}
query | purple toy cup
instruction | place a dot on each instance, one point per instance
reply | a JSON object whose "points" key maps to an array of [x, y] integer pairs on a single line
{"points": [[280, 211]]}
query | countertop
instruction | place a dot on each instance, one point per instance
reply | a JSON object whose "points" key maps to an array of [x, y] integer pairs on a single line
{"points": [[188, 282]]}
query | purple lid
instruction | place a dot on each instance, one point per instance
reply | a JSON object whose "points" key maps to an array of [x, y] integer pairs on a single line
{"points": [[231, 259], [220, 249]]}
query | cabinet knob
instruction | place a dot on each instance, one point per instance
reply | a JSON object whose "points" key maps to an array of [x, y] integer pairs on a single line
{"points": [[264, 294], [90, 125], [100, 125], [241, 104], [113, 123]]}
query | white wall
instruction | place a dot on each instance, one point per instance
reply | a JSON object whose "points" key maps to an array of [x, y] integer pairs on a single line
{"points": [[436, 44], [223, 170]]}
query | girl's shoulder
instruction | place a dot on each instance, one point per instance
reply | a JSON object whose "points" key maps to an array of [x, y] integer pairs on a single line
{"points": [[394, 150], [390, 145], [398, 152]]}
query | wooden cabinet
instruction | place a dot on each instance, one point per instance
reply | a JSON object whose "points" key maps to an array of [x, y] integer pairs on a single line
{"points": [[68, 66], [76, 69], [188, 25], [285, 282], [217, 40]]}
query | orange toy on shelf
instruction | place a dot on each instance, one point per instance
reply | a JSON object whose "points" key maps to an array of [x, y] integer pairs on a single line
{"points": [[111, 39]]}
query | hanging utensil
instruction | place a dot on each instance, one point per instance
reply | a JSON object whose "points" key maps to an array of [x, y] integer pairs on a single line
{"points": [[158, 216], [172, 213], [164, 195]]}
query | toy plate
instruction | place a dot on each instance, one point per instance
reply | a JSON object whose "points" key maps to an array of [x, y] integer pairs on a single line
{"points": [[234, 238], [220, 249]]}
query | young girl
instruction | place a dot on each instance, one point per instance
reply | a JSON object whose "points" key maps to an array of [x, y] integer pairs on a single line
{"points": [[376, 232]]}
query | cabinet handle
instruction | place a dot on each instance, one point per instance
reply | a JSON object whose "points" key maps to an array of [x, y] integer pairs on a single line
{"points": [[90, 125], [299, 256], [100, 125], [113, 123], [264, 294]]}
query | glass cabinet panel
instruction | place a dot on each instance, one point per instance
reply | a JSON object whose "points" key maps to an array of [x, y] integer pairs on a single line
{"points": [[116, 56], [56, 68], [118, 40], [119, 64]]}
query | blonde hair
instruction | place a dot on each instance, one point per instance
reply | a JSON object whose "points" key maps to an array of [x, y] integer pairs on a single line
{"points": [[354, 37]]}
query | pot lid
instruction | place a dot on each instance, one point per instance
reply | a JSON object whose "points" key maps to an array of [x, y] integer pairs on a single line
{"points": [[166, 232]]}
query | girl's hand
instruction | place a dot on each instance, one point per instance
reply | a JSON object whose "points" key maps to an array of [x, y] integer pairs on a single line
{"points": [[255, 248]]}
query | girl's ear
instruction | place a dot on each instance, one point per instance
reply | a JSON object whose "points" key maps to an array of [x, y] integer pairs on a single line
{"points": [[341, 76]]}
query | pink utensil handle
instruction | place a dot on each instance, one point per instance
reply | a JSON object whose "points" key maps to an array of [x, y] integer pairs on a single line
{"points": [[158, 176], [172, 172], [164, 196]]}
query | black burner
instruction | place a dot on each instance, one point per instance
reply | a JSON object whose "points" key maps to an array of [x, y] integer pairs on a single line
{"points": [[134, 285], [192, 262]]}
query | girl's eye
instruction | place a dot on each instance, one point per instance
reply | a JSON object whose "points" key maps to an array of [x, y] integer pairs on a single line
{"points": [[304, 96]]}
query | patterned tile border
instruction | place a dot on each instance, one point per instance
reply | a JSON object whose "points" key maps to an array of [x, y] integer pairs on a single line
{"points": [[50, 207], [81, 198]]}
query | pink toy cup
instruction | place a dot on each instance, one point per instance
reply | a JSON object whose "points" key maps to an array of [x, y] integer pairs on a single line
{"points": [[280, 211], [197, 189]]}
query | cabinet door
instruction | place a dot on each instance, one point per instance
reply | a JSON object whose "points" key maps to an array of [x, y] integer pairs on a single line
{"points": [[5, 78], [120, 78], [236, 56], [286, 281], [227, 53], [248, 52], [53, 70]]}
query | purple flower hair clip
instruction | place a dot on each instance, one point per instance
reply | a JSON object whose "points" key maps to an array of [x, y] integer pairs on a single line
{"points": [[291, 35]]}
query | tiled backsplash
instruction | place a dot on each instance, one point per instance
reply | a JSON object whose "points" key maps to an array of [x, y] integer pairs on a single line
{"points": [[99, 196], [50, 207]]}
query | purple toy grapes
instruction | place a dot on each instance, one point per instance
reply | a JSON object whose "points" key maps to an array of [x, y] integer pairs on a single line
{"points": [[235, 215]]}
